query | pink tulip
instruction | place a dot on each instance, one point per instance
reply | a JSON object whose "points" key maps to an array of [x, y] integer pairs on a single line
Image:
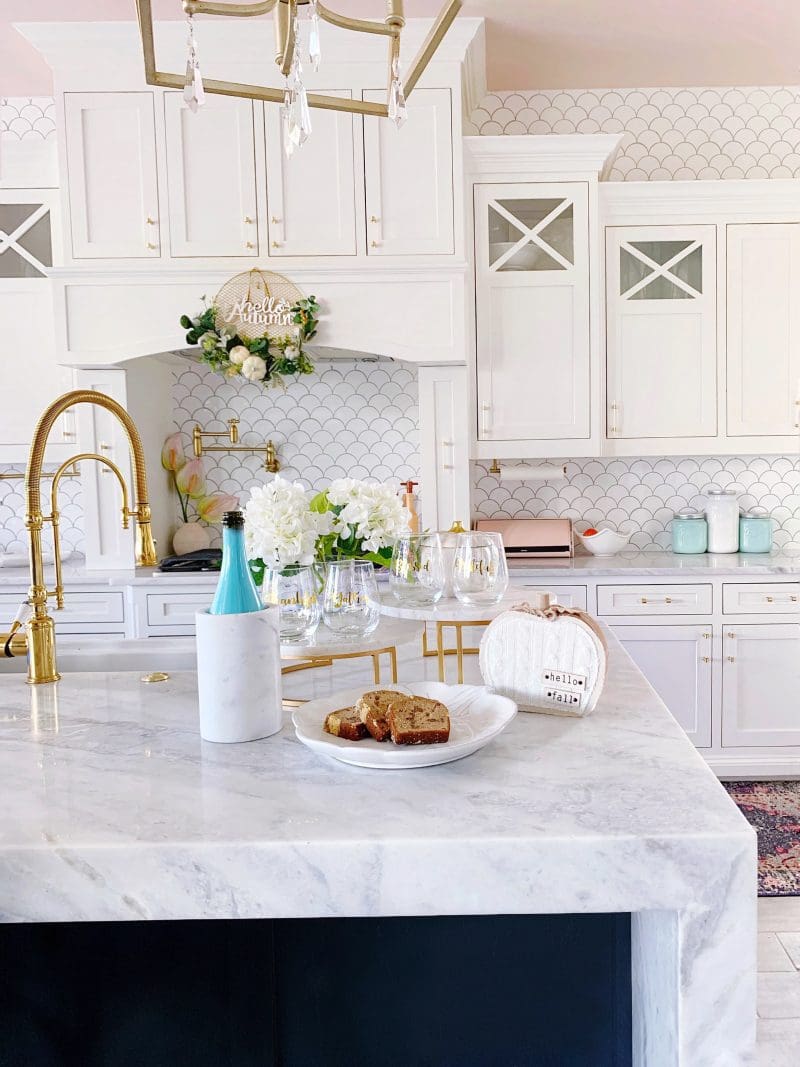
{"points": [[172, 457], [212, 507], [191, 479]]}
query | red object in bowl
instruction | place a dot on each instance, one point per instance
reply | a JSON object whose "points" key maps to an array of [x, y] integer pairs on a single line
{"points": [[590, 532]]}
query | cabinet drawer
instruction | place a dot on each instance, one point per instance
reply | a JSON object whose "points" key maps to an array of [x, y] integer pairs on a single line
{"points": [[176, 609], [569, 596], [770, 598], [79, 608], [654, 599]]}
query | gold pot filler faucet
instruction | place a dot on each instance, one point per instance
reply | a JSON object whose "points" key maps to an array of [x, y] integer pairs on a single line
{"points": [[36, 636]]}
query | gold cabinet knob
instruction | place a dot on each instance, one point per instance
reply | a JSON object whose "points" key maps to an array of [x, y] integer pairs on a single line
{"points": [[707, 637], [769, 599], [644, 600], [151, 246], [274, 221], [275, 244], [374, 244], [667, 599], [793, 599], [249, 244], [248, 220], [374, 218], [150, 221], [104, 446], [731, 659], [706, 659]]}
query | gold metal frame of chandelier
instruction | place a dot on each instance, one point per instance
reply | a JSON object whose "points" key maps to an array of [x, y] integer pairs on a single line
{"points": [[391, 27]]}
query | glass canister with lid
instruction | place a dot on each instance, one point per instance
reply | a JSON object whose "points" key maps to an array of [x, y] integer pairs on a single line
{"points": [[722, 514], [689, 532], [755, 531]]}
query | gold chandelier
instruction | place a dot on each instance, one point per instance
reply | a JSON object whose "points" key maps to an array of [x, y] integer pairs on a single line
{"points": [[293, 97]]}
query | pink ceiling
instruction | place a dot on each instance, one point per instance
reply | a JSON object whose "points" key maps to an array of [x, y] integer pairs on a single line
{"points": [[532, 43]]}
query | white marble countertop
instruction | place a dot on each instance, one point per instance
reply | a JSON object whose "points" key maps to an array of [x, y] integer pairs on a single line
{"points": [[627, 564], [112, 807]]}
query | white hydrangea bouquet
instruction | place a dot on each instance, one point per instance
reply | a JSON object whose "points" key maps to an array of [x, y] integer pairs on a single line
{"points": [[351, 519]]}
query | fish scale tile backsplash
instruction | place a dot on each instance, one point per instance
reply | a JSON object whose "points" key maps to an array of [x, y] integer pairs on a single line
{"points": [[13, 538], [639, 496], [352, 418]]}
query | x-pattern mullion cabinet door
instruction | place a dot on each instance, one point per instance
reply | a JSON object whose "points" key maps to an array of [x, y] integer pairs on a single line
{"points": [[532, 311], [661, 332], [763, 311], [211, 177]]}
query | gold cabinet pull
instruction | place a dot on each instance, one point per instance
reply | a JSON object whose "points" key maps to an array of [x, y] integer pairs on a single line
{"points": [[643, 600], [248, 220], [150, 221], [375, 244], [374, 218], [151, 246], [731, 659], [769, 599], [793, 599], [274, 221], [275, 244], [249, 244], [707, 637], [731, 633], [667, 599], [706, 659]]}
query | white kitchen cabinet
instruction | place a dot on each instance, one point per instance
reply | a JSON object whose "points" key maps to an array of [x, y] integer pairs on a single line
{"points": [[532, 310], [443, 398], [211, 178], [409, 177], [677, 662], [760, 685], [763, 311], [661, 332], [309, 216], [113, 183]]}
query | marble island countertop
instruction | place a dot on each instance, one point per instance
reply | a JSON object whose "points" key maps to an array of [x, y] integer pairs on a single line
{"points": [[113, 808]]}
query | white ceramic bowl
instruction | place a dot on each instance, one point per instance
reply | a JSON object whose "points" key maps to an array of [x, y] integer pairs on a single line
{"points": [[604, 542]]}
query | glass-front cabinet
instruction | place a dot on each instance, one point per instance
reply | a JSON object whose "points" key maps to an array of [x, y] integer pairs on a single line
{"points": [[532, 311], [661, 332]]}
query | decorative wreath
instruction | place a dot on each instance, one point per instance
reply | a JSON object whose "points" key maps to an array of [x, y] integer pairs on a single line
{"points": [[255, 327]]}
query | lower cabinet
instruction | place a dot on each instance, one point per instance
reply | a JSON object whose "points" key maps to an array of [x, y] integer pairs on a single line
{"points": [[677, 662], [761, 685]]}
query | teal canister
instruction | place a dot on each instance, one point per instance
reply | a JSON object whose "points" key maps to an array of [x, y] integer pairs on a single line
{"points": [[755, 531], [689, 532]]}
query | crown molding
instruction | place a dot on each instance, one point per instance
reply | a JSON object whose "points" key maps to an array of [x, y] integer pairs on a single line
{"points": [[554, 153], [229, 48], [757, 199]]}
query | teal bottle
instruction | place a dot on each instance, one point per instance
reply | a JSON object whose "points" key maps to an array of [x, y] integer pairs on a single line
{"points": [[236, 592]]}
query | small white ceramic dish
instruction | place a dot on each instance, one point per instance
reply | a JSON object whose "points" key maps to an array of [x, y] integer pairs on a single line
{"points": [[604, 542], [476, 716]]}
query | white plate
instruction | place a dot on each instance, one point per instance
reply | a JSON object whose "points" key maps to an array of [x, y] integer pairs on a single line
{"points": [[476, 716]]}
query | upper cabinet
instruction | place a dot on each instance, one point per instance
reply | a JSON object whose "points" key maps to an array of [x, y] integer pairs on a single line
{"points": [[532, 304], [211, 177], [661, 333], [309, 216], [763, 360], [113, 182], [409, 177]]}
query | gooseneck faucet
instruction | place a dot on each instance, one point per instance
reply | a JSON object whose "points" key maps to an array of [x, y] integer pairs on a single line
{"points": [[36, 636]]}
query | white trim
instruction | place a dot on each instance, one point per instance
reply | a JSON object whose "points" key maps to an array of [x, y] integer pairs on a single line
{"points": [[759, 200], [567, 155]]}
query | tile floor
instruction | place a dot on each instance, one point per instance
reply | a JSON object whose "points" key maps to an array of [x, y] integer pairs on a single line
{"points": [[779, 982], [778, 917]]}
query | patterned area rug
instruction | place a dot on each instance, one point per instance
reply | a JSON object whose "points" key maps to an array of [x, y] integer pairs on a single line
{"points": [[773, 810]]}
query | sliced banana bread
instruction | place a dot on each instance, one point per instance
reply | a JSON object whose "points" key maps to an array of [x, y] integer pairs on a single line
{"points": [[419, 721], [373, 709], [346, 723]]}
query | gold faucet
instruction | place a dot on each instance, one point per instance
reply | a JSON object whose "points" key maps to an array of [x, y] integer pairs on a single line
{"points": [[38, 638]]}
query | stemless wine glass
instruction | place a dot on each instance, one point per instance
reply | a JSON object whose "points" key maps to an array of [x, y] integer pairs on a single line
{"points": [[416, 574], [294, 590], [350, 598], [480, 572]]}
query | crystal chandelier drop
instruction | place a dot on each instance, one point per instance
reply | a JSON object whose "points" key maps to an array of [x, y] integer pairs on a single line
{"points": [[294, 100]]}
